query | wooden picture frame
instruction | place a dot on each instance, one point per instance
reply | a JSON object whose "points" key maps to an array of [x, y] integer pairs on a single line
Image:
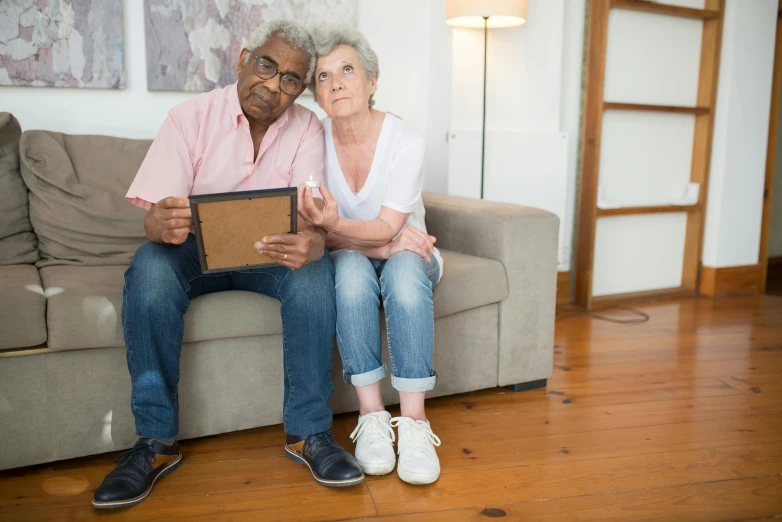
{"points": [[227, 225]]}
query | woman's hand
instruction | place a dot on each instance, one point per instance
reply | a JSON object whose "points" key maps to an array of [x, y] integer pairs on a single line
{"points": [[414, 240], [326, 217]]}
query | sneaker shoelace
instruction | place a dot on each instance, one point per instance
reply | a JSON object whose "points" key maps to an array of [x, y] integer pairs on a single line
{"points": [[421, 437], [374, 427]]}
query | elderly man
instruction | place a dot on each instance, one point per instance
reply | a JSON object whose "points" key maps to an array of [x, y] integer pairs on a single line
{"points": [[246, 136]]}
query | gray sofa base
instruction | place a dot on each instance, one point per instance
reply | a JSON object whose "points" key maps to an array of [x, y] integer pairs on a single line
{"points": [[66, 404]]}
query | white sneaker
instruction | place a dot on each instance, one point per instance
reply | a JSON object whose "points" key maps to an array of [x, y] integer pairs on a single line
{"points": [[418, 462], [374, 440]]}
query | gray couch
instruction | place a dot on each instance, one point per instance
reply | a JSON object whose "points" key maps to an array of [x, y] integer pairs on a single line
{"points": [[67, 235]]}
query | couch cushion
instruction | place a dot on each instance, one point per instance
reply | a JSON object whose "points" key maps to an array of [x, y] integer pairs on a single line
{"points": [[85, 310], [77, 197], [468, 282], [85, 303], [17, 241], [22, 307]]}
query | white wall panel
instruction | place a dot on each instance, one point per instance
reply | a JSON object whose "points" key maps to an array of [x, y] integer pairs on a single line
{"points": [[652, 59], [638, 253], [645, 157]]}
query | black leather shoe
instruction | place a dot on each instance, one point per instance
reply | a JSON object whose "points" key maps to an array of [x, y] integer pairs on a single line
{"points": [[138, 470], [329, 463]]}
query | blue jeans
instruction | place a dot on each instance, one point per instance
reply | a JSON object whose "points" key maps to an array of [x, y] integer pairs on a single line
{"points": [[404, 283], [159, 284]]}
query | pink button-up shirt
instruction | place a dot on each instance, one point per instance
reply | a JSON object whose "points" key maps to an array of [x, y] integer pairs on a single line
{"points": [[205, 147]]}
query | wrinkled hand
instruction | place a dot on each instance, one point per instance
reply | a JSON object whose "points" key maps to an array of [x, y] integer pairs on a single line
{"points": [[414, 240], [326, 217], [290, 250], [169, 221]]}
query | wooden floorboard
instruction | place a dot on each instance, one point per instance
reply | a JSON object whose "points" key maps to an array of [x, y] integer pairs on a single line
{"points": [[678, 418], [726, 500]]}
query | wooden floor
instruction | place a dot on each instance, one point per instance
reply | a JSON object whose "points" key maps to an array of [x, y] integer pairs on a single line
{"points": [[678, 419]]}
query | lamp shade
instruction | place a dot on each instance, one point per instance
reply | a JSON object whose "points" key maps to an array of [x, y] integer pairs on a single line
{"points": [[471, 13]]}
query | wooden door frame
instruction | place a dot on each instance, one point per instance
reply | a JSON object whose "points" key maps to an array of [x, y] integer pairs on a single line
{"points": [[771, 154]]}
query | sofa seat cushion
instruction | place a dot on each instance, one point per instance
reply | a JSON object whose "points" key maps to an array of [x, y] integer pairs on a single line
{"points": [[22, 307], [85, 303], [77, 197], [468, 282], [85, 310]]}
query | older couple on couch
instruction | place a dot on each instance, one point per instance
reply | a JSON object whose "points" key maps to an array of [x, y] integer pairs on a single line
{"points": [[366, 245]]}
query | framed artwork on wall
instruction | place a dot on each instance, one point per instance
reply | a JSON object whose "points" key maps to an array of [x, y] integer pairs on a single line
{"points": [[63, 43]]}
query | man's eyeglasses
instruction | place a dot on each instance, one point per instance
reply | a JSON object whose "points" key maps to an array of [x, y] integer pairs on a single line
{"points": [[266, 70]]}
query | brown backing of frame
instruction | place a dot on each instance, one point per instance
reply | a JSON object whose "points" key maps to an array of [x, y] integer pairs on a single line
{"points": [[229, 229]]}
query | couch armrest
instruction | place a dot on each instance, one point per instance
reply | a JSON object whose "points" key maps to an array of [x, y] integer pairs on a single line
{"points": [[525, 241]]}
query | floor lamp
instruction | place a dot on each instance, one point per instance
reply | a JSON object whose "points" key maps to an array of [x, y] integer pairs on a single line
{"points": [[485, 14]]}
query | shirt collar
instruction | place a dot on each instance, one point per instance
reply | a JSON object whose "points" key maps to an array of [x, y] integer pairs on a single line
{"points": [[237, 113]]}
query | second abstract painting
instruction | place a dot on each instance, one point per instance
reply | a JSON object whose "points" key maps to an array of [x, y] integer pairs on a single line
{"points": [[193, 45]]}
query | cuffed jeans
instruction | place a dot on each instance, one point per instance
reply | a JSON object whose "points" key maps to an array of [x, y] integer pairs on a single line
{"points": [[159, 284], [404, 283]]}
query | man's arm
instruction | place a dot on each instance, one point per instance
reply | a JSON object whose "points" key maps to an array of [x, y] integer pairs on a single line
{"points": [[162, 185]]}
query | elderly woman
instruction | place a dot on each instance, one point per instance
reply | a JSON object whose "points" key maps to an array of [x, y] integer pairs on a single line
{"points": [[374, 217]]}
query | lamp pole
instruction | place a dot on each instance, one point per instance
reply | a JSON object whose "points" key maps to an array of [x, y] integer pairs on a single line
{"points": [[483, 124]]}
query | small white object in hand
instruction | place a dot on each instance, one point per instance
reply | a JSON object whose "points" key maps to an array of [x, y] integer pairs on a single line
{"points": [[312, 183]]}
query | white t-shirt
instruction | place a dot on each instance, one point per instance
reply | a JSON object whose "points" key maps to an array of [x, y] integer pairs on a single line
{"points": [[395, 179]]}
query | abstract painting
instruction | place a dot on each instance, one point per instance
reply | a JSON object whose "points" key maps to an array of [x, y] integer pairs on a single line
{"points": [[194, 45], [62, 43]]}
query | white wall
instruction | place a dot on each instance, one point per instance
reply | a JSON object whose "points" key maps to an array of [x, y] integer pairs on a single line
{"points": [[736, 180], [534, 71], [414, 74]]}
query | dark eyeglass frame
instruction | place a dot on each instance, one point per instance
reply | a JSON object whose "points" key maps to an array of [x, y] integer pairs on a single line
{"points": [[283, 75]]}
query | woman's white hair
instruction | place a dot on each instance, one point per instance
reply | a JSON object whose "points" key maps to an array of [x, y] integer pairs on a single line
{"points": [[295, 34], [327, 37]]}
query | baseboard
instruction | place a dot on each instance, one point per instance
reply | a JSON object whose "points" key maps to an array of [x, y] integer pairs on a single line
{"points": [[563, 288], [730, 281], [775, 263]]}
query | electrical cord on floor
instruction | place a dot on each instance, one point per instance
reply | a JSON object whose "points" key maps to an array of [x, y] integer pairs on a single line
{"points": [[642, 316]]}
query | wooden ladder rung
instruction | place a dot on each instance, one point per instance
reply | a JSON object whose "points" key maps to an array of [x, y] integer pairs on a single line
{"points": [[655, 108], [664, 9], [658, 209]]}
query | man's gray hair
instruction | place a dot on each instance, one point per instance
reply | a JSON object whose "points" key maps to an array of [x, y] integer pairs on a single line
{"points": [[327, 37], [295, 34]]}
